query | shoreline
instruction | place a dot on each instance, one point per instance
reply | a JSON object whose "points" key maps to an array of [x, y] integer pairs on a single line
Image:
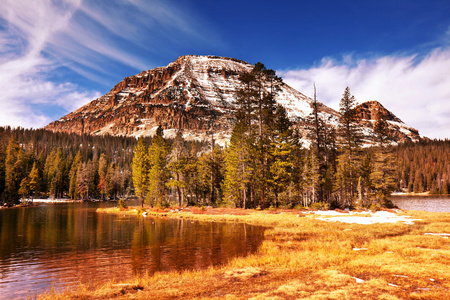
{"points": [[305, 255]]}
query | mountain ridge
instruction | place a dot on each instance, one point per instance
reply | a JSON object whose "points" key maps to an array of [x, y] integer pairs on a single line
{"points": [[195, 94]]}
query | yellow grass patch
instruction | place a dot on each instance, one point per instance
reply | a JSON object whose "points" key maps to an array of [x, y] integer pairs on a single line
{"points": [[306, 258]]}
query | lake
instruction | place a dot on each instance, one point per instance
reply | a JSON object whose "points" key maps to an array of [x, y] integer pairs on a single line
{"points": [[433, 203], [61, 245]]}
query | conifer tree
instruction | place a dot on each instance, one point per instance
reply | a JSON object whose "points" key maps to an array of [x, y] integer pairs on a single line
{"points": [[140, 170], [310, 178], [239, 168], [102, 170], [256, 109], [323, 143], [13, 167], [82, 182], [350, 140], [24, 189], [382, 176], [34, 181], [2, 172], [281, 148], [73, 176], [157, 175], [177, 165]]}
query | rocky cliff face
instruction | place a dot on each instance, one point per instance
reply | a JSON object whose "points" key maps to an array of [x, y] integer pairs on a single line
{"points": [[371, 111], [194, 93]]}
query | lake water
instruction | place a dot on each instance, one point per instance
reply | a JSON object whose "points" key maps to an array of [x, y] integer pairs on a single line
{"points": [[61, 245], [433, 203]]}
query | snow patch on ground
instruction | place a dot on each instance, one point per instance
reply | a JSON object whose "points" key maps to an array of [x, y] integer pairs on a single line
{"points": [[363, 218]]}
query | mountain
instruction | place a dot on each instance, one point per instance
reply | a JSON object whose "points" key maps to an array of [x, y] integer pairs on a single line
{"points": [[371, 111], [194, 93]]}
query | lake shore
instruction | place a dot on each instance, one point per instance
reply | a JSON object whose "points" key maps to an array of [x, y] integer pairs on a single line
{"points": [[306, 255]]}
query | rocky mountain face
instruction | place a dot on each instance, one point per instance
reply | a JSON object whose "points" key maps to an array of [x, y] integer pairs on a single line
{"points": [[195, 94], [371, 111]]}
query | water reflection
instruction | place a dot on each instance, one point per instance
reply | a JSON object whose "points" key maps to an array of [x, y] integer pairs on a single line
{"points": [[63, 244], [432, 203]]}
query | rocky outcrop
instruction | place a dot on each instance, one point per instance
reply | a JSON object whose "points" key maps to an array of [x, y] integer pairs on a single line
{"points": [[371, 111], [194, 93]]}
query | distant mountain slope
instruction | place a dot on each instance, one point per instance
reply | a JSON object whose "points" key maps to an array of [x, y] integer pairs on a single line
{"points": [[370, 111], [193, 93]]}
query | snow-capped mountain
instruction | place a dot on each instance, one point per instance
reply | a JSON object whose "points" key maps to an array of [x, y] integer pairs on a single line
{"points": [[196, 94]]}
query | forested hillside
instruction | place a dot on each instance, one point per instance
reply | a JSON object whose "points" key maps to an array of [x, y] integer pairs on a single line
{"points": [[424, 166], [265, 164]]}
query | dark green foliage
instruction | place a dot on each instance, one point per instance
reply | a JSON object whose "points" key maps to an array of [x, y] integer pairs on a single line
{"points": [[51, 161], [423, 166]]}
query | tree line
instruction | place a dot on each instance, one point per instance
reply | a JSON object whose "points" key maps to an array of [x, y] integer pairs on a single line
{"points": [[39, 163], [266, 163], [423, 166]]}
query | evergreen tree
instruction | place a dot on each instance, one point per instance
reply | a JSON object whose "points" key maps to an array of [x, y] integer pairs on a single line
{"points": [[102, 170], [177, 166], [24, 190], [382, 176], [34, 181], [76, 163], [350, 140], [323, 142], [282, 145], [14, 165], [157, 175], [140, 170], [310, 178], [256, 109], [2, 173], [82, 186], [239, 168]]}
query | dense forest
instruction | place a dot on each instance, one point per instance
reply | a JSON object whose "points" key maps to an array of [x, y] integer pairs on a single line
{"points": [[265, 164]]}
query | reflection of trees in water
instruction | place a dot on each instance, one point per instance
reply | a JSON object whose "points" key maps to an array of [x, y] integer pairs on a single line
{"points": [[67, 243], [163, 245]]}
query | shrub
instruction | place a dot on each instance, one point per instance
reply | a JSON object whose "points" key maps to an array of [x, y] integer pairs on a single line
{"points": [[121, 203], [320, 206]]}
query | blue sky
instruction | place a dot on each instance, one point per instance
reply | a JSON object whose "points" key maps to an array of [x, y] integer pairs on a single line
{"points": [[58, 55]]}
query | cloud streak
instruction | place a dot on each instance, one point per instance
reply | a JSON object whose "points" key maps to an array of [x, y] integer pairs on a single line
{"points": [[40, 39], [415, 89]]}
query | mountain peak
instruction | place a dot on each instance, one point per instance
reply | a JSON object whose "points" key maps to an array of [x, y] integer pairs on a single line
{"points": [[195, 94], [373, 110]]}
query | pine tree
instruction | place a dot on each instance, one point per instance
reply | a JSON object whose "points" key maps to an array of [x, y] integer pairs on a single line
{"points": [[34, 181], [310, 178], [177, 166], [350, 140], [256, 109], [383, 173], [73, 176], [323, 143], [239, 170], [13, 177], [2, 172], [157, 175], [281, 148], [82, 187], [24, 190], [140, 170], [102, 170]]}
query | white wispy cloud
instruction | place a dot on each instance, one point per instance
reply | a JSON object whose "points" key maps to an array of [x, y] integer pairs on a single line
{"points": [[39, 37], [414, 88]]}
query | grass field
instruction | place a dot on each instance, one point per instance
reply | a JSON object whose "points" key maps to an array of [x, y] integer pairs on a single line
{"points": [[306, 255]]}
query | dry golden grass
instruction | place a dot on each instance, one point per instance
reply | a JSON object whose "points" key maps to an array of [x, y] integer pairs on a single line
{"points": [[305, 258]]}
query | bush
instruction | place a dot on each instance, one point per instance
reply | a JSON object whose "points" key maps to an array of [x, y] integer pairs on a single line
{"points": [[121, 203], [320, 206]]}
